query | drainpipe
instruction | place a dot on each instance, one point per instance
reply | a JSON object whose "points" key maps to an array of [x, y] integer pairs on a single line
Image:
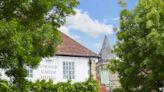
{"points": [[90, 67]]}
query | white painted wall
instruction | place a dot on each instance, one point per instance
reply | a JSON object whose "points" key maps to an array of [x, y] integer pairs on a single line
{"points": [[54, 69], [2, 75], [81, 69]]}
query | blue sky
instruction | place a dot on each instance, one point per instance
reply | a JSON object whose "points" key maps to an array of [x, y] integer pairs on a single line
{"points": [[94, 19]]}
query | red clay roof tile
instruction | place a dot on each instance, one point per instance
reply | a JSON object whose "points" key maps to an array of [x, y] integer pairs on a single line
{"points": [[70, 47]]}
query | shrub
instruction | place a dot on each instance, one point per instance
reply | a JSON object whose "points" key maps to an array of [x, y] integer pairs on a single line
{"points": [[4, 86], [48, 86], [118, 90]]}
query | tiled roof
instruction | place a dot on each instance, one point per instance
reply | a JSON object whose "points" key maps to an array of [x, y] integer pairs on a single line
{"points": [[70, 47]]}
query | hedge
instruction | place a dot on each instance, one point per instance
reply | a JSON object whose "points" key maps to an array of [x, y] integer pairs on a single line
{"points": [[49, 86], [43, 86], [4, 86]]}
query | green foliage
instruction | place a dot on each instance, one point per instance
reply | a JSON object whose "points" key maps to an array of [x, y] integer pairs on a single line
{"points": [[118, 90], [28, 32], [122, 3], [4, 86], [140, 47], [43, 86], [49, 86]]}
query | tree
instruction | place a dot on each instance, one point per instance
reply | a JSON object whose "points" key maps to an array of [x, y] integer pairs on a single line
{"points": [[140, 47], [28, 32]]}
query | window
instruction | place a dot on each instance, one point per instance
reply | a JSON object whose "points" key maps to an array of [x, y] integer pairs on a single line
{"points": [[30, 72], [68, 70]]}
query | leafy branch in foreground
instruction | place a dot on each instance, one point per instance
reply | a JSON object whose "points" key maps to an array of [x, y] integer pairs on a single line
{"points": [[28, 32], [140, 47]]}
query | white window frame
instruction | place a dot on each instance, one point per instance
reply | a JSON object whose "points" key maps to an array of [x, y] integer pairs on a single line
{"points": [[68, 70], [30, 72]]}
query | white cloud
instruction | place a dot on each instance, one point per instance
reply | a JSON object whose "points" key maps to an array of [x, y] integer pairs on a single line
{"points": [[115, 19], [105, 20], [65, 30], [81, 21], [97, 45]]}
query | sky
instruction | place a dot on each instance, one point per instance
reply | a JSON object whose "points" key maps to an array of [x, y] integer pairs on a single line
{"points": [[93, 20]]}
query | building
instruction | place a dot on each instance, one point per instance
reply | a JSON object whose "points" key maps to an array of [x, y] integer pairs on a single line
{"points": [[105, 76], [72, 62]]}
